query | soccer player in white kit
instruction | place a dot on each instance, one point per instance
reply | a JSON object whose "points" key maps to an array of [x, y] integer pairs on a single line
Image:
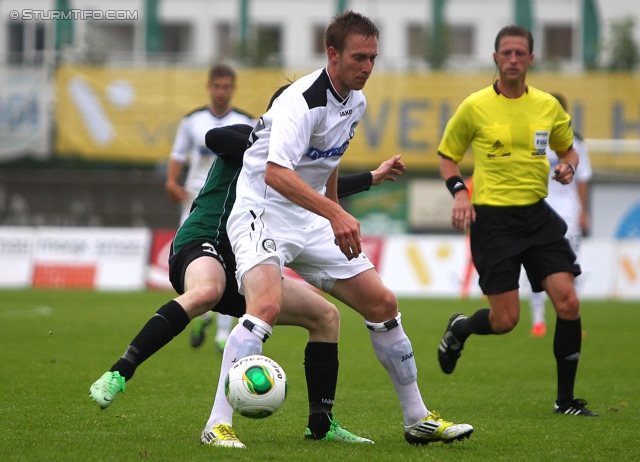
{"points": [[287, 214], [189, 148], [570, 202]]}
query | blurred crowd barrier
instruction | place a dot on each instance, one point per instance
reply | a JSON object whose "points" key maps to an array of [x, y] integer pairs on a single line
{"points": [[411, 265]]}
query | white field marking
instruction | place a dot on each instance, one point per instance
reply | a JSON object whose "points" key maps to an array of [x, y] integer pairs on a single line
{"points": [[27, 310]]}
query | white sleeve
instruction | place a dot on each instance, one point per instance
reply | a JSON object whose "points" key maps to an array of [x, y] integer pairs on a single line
{"points": [[583, 172], [291, 132], [181, 143]]}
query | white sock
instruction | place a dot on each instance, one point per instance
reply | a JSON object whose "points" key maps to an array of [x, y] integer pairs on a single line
{"points": [[207, 317], [536, 302], [413, 407], [223, 324], [241, 342]]}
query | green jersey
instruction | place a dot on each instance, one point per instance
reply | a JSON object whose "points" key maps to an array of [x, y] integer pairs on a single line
{"points": [[210, 211]]}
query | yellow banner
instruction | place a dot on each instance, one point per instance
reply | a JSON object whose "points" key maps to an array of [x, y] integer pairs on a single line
{"points": [[406, 114], [131, 114]]}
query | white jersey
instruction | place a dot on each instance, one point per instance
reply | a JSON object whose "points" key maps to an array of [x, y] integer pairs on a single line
{"points": [[565, 198], [189, 146], [307, 129]]}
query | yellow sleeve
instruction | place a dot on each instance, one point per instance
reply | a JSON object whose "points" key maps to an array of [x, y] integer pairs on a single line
{"points": [[561, 137], [457, 134]]}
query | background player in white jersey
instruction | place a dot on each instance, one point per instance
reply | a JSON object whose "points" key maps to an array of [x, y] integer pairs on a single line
{"points": [[287, 213], [570, 202], [189, 148]]}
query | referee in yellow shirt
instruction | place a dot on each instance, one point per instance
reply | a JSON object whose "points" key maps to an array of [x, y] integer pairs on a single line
{"points": [[509, 126]]}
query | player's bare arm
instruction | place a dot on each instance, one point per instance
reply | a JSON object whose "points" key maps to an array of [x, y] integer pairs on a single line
{"points": [[332, 186], [462, 212], [176, 192], [389, 170], [346, 228], [583, 188], [566, 168]]}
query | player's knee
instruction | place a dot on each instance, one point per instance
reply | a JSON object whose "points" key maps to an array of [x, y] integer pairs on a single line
{"points": [[324, 325], [268, 310], [384, 308], [504, 324], [390, 301], [206, 296], [327, 318], [568, 307], [330, 317]]}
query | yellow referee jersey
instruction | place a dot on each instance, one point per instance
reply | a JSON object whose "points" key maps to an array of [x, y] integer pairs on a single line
{"points": [[508, 138]]}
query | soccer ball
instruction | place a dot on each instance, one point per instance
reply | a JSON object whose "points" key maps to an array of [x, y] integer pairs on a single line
{"points": [[256, 386]]}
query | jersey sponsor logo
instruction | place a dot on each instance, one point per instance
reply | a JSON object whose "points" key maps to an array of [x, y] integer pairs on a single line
{"points": [[345, 113], [540, 141], [269, 245], [315, 153], [497, 144]]}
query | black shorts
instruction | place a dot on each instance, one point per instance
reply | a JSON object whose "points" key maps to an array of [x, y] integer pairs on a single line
{"points": [[231, 303], [504, 238]]}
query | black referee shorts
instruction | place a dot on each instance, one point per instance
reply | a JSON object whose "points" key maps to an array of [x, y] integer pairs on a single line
{"points": [[504, 238], [231, 303]]}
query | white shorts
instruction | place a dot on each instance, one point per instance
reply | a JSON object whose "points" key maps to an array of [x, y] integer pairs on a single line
{"points": [[260, 238]]}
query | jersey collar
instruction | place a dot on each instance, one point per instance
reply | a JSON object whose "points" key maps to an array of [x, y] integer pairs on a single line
{"points": [[333, 90], [221, 115], [498, 92]]}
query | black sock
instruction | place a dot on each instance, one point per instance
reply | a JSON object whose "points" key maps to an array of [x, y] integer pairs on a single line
{"points": [[319, 424], [321, 371], [567, 343], [169, 321], [478, 323]]}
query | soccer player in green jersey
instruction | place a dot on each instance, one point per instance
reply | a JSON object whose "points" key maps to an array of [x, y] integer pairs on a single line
{"points": [[509, 126], [189, 149]]}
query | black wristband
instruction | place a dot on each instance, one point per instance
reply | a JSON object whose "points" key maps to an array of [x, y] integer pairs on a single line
{"points": [[455, 184]]}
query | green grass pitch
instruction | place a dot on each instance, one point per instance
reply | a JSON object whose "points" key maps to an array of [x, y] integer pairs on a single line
{"points": [[54, 344]]}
